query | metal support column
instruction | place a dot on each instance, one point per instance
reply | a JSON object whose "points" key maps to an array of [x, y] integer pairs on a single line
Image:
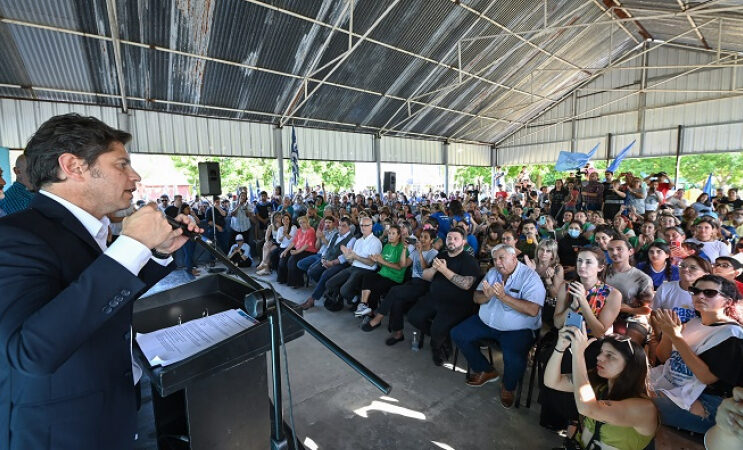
{"points": [[573, 122], [445, 160], [679, 146], [278, 153], [641, 99], [609, 149], [377, 149]]}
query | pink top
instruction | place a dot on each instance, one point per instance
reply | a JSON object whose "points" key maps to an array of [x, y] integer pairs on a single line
{"points": [[305, 237]]}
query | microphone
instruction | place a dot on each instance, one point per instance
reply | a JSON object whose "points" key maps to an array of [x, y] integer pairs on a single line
{"points": [[186, 232]]}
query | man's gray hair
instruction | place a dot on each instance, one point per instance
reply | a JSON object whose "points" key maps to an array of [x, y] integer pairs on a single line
{"points": [[505, 247]]}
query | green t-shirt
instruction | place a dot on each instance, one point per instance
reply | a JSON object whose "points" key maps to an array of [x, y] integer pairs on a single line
{"points": [[392, 254]]}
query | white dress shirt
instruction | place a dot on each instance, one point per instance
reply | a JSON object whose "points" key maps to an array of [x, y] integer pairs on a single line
{"points": [[128, 252]]}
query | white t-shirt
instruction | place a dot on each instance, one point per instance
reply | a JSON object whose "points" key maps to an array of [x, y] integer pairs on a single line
{"points": [[671, 296], [245, 248], [713, 249]]}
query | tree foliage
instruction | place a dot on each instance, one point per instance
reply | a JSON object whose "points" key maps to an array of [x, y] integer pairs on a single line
{"points": [[234, 171], [245, 171], [336, 175]]}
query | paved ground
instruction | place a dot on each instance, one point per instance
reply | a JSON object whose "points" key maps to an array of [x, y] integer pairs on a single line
{"points": [[429, 407]]}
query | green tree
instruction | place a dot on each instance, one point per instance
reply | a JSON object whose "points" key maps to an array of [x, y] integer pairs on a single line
{"points": [[464, 175], [234, 172], [336, 175], [726, 169]]}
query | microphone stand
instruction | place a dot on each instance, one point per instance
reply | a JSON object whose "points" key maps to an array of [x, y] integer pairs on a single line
{"points": [[278, 437]]}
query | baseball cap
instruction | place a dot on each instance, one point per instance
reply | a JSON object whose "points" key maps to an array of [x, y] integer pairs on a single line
{"points": [[239, 237]]}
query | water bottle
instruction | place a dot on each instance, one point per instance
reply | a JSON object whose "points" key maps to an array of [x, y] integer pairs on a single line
{"points": [[415, 341]]}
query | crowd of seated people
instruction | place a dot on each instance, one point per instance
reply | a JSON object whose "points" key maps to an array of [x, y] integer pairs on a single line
{"points": [[632, 295]]}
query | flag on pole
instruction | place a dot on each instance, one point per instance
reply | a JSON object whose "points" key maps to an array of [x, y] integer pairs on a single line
{"points": [[707, 189], [257, 185], [573, 161], [295, 159], [306, 186], [618, 159], [252, 193]]}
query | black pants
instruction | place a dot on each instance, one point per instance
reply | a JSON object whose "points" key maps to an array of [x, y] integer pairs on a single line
{"points": [[435, 319], [295, 277], [377, 285], [274, 257], [237, 259], [400, 299]]}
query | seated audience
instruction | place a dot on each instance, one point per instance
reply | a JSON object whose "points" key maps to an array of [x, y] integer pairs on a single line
{"points": [[400, 299], [393, 263], [511, 297], [453, 276], [697, 373], [612, 398], [659, 266]]}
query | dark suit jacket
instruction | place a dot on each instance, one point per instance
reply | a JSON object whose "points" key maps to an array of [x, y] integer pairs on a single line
{"points": [[65, 315]]}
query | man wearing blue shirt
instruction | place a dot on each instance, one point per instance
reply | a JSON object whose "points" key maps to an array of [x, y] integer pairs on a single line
{"points": [[511, 298], [18, 195]]}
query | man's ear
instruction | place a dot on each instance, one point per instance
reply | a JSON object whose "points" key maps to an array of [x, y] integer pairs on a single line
{"points": [[71, 167]]}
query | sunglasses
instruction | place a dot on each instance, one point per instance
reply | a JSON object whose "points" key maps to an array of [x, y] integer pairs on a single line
{"points": [[709, 293], [623, 338]]}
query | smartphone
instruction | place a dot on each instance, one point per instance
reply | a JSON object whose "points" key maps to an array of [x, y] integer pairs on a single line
{"points": [[574, 320]]}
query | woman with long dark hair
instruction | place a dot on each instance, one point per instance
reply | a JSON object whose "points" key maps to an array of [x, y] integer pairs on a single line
{"points": [[659, 265], [613, 399], [701, 357]]}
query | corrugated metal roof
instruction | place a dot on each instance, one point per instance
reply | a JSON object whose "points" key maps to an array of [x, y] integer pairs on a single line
{"points": [[246, 59]]}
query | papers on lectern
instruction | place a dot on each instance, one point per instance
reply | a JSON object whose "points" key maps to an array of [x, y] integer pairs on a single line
{"points": [[171, 345]]}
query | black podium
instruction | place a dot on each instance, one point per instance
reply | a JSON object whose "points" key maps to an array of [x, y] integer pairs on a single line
{"points": [[218, 398]]}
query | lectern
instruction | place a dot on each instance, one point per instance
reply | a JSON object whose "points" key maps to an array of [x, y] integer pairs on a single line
{"points": [[217, 398]]}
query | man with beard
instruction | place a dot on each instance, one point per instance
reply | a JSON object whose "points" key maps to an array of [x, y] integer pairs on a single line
{"points": [[453, 276]]}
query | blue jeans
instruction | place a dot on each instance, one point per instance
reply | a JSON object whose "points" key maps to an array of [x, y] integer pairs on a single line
{"points": [[324, 277], [305, 263], [515, 346], [672, 415]]}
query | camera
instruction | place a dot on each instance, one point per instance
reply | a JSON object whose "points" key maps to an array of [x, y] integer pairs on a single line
{"points": [[411, 240]]}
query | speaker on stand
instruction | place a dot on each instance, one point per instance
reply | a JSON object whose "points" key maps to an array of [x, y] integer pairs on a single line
{"points": [[210, 183], [390, 182]]}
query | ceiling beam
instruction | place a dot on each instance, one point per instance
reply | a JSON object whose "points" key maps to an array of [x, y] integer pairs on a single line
{"points": [[243, 66], [352, 126], [340, 62], [683, 7], [383, 44], [622, 60], [519, 37], [113, 24], [616, 8], [302, 88]]}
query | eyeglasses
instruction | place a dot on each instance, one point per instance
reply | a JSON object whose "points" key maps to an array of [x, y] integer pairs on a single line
{"points": [[723, 265], [689, 268], [709, 293], [365, 225]]}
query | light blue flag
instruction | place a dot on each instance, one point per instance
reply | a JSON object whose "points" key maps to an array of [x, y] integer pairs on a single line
{"points": [[618, 160], [573, 161], [707, 189], [295, 159]]}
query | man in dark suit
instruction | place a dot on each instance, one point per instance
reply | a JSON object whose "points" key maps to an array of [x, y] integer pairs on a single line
{"points": [[66, 372]]}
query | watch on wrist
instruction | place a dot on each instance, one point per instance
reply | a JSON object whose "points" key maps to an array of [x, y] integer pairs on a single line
{"points": [[159, 255]]}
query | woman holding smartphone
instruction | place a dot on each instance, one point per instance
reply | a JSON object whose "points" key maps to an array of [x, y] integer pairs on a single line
{"points": [[589, 296], [612, 398]]}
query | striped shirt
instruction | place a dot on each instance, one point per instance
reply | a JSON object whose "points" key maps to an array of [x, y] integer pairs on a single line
{"points": [[17, 198]]}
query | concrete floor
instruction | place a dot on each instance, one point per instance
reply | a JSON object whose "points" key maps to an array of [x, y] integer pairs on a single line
{"points": [[429, 407]]}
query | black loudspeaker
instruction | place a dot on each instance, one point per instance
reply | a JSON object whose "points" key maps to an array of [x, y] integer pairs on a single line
{"points": [[389, 182], [210, 182]]}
